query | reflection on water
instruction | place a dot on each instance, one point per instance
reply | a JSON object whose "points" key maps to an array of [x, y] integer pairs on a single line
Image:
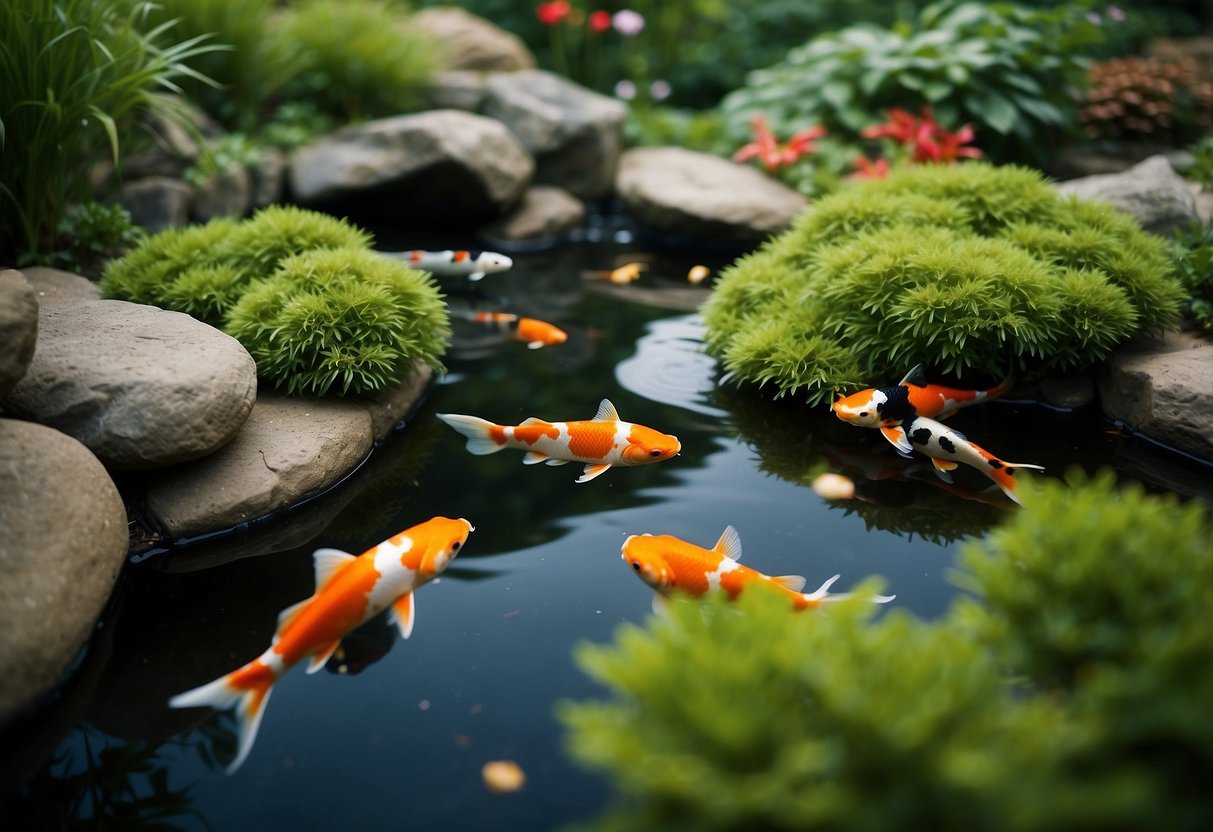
{"points": [[411, 723]]}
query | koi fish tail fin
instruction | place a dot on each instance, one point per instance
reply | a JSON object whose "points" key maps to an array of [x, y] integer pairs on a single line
{"points": [[249, 704], [823, 594], [479, 432], [1004, 475], [1003, 386]]}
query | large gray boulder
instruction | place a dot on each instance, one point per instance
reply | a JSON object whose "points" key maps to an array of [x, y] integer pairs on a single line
{"points": [[58, 286], [18, 328], [63, 540], [141, 387], [466, 41], [575, 134], [1162, 387], [545, 212], [686, 193], [440, 164], [1151, 191]]}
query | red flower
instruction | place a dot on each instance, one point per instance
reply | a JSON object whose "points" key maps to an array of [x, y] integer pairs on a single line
{"points": [[900, 127], [869, 169], [770, 153], [927, 141], [554, 12], [600, 21]]}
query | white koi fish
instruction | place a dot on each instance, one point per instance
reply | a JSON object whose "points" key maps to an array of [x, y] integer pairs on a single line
{"points": [[349, 592], [600, 442], [947, 447], [451, 263]]}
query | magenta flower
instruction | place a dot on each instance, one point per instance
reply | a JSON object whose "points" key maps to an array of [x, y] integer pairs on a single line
{"points": [[628, 23]]}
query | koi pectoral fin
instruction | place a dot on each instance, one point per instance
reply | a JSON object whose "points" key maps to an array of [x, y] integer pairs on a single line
{"points": [[896, 435], [591, 471], [405, 613], [475, 275], [320, 657], [944, 467], [534, 458]]}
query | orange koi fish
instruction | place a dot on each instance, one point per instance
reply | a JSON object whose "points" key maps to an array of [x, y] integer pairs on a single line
{"points": [[349, 592], [600, 443], [667, 563], [532, 331], [947, 447], [909, 398], [621, 276], [448, 263]]}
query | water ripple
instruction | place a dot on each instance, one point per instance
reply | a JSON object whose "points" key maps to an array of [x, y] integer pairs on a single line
{"points": [[671, 367]]}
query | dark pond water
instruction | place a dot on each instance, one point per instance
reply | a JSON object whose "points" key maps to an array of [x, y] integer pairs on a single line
{"points": [[399, 741]]}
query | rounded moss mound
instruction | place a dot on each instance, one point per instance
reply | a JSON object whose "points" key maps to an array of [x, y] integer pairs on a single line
{"points": [[345, 320], [202, 270], [959, 267]]}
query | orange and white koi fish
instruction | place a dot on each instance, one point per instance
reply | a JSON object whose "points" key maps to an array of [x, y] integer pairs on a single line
{"points": [[909, 398], [349, 592], [668, 564], [600, 443], [532, 331], [448, 263], [947, 447]]}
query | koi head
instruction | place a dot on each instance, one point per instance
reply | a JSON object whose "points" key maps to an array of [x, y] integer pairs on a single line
{"points": [[443, 540], [861, 409], [490, 262], [642, 553], [646, 445], [538, 333]]}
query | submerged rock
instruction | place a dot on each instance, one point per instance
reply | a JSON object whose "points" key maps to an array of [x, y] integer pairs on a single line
{"points": [[1152, 192], [18, 328], [544, 213], [63, 539], [683, 192], [141, 387]]}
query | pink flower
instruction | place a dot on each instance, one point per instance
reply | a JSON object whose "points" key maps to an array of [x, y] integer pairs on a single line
{"points": [[554, 12], [600, 21], [660, 89], [628, 23], [772, 155]]}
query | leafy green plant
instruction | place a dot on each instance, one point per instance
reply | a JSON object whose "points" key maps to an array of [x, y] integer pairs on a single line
{"points": [[203, 270], [340, 319], [1193, 249], [953, 266], [1074, 697], [355, 59], [89, 234], [1201, 170], [74, 71], [1006, 69]]}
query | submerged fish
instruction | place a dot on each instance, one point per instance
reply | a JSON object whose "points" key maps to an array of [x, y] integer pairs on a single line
{"points": [[453, 263], [532, 331], [349, 592], [667, 563], [600, 442], [947, 447], [909, 398], [621, 276]]}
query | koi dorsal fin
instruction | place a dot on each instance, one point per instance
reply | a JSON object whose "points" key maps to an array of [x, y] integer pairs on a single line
{"points": [[532, 420], [792, 582], [606, 412], [916, 376], [729, 544], [327, 562], [288, 615]]}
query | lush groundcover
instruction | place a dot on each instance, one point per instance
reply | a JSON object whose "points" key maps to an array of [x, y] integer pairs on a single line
{"points": [[963, 267], [1073, 693]]}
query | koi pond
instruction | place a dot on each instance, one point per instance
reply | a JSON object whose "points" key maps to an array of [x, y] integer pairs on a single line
{"points": [[396, 733]]}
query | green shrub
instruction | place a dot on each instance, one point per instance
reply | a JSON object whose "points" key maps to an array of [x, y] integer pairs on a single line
{"points": [[1193, 248], [355, 59], [1075, 697], [340, 319], [202, 270], [89, 235], [1008, 70], [952, 266], [73, 72]]}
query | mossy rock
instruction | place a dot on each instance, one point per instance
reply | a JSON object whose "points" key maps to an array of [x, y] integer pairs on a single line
{"points": [[342, 320], [960, 267]]}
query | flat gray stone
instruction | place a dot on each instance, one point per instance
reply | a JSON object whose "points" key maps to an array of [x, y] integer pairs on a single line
{"points": [[1151, 191], [228, 193], [575, 134], [544, 212], [287, 450], [58, 286], [18, 328], [1162, 387], [141, 387], [693, 194], [63, 540]]}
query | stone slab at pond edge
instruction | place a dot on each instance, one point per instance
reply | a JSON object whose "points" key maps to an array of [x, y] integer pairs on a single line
{"points": [[140, 386], [18, 328], [63, 540]]}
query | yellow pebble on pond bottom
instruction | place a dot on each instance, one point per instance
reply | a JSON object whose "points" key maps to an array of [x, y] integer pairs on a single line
{"points": [[503, 776], [834, 487]]}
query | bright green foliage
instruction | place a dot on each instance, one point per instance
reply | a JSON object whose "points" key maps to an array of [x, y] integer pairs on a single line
{"points": [[1193, 248], [954, 266], [348, 320], [1008, 70], [1075, 697], [203, 269], [90, 234], [355, 59], [73, 72]]}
